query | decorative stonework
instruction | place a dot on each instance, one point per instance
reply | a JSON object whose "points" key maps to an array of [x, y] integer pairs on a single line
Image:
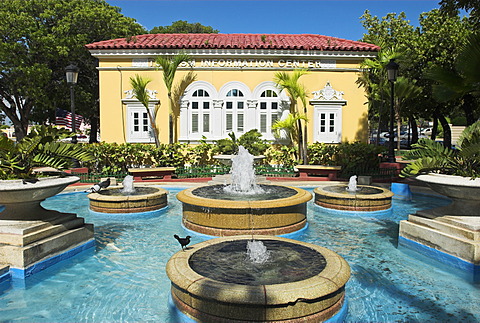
{"points": [[328, 94], [152, 94], [252, 103], [184, 104], [217, 103]]}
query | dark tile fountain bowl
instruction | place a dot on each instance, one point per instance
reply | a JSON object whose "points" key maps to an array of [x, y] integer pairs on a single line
{"points": [[215, 281]]}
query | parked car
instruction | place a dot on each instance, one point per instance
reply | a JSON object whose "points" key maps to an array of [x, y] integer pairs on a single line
{"points": [[426, 132]]}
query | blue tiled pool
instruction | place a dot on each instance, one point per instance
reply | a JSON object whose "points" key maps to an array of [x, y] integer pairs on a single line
{"points": [[124, 279]]}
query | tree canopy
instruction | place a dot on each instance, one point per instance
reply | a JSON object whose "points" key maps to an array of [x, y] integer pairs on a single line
{"points": [[184, 27], [39, 39], [435, 43]]}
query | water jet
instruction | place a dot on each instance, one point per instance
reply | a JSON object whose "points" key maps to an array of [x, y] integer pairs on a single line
{"points": [[244, 207]]}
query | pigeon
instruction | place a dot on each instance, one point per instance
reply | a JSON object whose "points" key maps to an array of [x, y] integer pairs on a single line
{"points": [[183, 241], [99, 186]]}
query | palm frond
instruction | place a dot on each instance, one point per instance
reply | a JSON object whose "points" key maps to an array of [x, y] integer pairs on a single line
{"points": [[139, 86], [468, 60], [169, 65], [425, 164]]}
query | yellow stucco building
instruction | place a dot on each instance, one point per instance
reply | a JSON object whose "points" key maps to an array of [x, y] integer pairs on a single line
{"points": [[233, 90]]}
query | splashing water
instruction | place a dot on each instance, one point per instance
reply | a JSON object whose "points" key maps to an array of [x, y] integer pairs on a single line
{"points": [[352, 184], [257, 252], [128, 185], [243, 174]]}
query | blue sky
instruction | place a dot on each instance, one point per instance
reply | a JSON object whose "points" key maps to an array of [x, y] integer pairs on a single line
{"points": [[337, 18]]}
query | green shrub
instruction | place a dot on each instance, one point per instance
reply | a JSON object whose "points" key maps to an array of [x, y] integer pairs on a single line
{"points": [[250, 140], [253, 142], [359, 158], [281, 155], [200, 154], [322, 154]]}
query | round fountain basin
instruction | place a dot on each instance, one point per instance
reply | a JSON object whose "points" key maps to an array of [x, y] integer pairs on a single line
{"points": [[113, 200], [280, 212], [21, 199], [213, 281], [365, 198]]}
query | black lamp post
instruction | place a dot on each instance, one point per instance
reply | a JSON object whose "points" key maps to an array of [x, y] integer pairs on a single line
{"points": [[71, 72], [392, 73]]}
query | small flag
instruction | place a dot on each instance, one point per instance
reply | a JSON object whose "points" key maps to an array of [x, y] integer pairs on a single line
{"points": [[64, 118]]}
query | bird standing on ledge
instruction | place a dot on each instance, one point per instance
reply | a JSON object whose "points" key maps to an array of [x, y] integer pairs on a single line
{"points": [[183, 241], [97, 187]]}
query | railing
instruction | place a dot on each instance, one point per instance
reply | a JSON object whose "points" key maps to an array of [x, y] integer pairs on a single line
{"points": [[197, 172], [375, 173], [95, 178], [201, 171], [275, 170]]}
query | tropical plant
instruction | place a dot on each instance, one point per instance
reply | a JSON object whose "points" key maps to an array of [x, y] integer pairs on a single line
{"points": [[251, 140], [296, 91], [41, 147], [281, 155], [406, 91], [169, 65], [139, 87], [463, 82], [322, 154], [358, 158], [431, 156], [290, 125]]}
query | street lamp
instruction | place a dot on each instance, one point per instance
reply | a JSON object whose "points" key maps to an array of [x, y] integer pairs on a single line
{"points": [[392, 73], [71, 72]]}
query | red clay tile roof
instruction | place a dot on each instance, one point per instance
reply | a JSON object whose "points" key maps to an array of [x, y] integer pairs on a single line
{"points": [[235, 41]]}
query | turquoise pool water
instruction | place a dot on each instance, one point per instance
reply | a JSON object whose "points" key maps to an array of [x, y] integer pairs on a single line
{"points": [[123, 279]]}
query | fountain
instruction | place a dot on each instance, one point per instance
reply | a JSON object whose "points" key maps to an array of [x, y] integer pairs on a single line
{"points": [[129, 199], [216, 282], [32, 237], [244, 207], [353, 197]]}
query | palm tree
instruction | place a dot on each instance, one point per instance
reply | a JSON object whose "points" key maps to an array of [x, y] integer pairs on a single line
{"points": [[139, 86], [374, 79], [406, 90], [290, 125], [169, 67], [462, 83], [296, 91]]}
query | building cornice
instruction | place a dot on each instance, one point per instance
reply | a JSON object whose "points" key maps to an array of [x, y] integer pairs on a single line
{"points": [[230, 53]]}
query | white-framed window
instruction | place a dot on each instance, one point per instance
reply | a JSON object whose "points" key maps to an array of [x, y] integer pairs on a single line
{"points": [[268, 111], [234, 111], [200, 113], [271, 104], [327, 114], [138, 127], [327, 124]]}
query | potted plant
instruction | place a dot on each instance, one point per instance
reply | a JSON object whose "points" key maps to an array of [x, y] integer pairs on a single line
{"points": [[22, 190], [454, 173]]}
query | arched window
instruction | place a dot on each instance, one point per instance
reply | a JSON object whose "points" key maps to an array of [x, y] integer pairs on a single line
{"points": [[199, 112], [268, 111], [235, 106]]}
